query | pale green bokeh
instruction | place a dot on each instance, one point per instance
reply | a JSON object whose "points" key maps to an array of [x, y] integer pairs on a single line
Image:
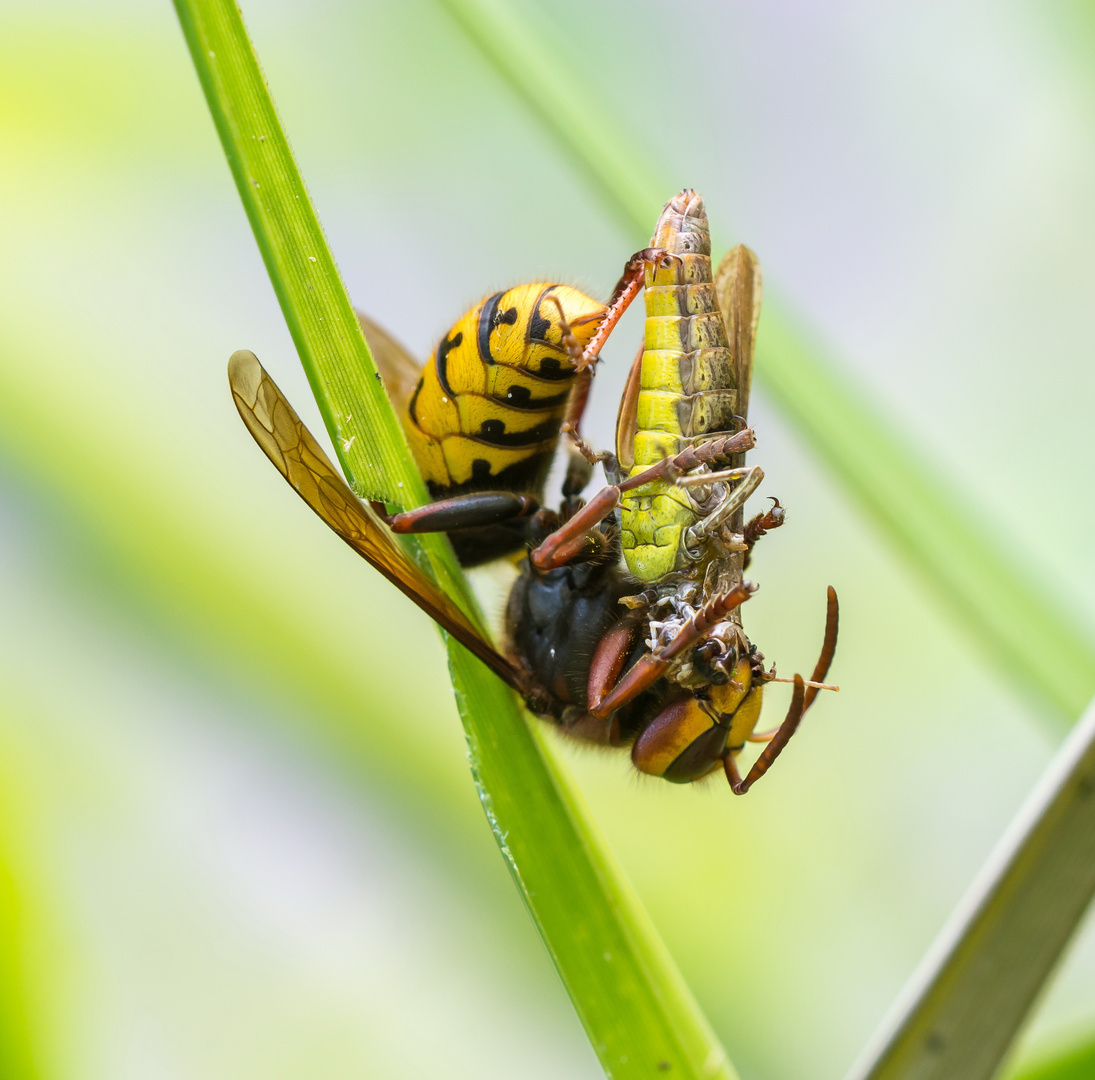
{"points": [[222, 873]]}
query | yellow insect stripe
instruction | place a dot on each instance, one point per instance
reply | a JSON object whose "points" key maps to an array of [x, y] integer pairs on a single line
{"points": [[487, 409]]}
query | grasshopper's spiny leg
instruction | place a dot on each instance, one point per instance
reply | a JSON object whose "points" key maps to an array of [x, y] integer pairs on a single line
{"points": [[760, 525], [733, 502], [672, 468]]}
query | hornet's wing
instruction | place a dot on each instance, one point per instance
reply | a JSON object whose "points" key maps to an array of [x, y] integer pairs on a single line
{"points": [[298, 457]]}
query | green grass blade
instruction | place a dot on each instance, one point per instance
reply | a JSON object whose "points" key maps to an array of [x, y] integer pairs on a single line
{"points": [[961, 1011], [637, 1012], [632, 1001], [302, 269], [1024, 632]]}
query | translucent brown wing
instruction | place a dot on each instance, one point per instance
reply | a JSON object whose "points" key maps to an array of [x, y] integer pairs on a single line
{"points": [[738, 286], [399, 370], [291, 447]]}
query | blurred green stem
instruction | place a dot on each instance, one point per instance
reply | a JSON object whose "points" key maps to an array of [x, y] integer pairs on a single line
{"points": [[1077, 1062], [16, 1061], [959, 1014], [17, 1056]]}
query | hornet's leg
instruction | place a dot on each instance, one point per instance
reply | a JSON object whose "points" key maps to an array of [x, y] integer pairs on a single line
{"points": [[579, 473], [472, 510], [626, 290], [576, 407], [610, 655], [579, 393], [570, 539]]}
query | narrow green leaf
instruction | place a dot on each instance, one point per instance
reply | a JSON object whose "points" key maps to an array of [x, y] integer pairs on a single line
{"points": [[636, 1010], [961, 1011], [630, 997], [1020, 627], [364, 431], [302, 269]]}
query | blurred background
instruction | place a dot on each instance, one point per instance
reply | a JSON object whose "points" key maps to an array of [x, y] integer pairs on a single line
{"points": [[238, 837]]}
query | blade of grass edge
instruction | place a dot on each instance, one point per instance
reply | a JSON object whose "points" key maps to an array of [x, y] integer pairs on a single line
{"points": [[961, 1010], [1026, 632], [610, 957], [636, 1009], [302, 269]]}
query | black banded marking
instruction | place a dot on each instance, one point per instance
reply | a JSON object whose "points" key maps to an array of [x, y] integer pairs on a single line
{"points": [[414, 401], [489, 318], [552, 370], [520, 397], [441, 360], [494, 433], [525, 475], [538, 326], [547, 408], [549, 371]]}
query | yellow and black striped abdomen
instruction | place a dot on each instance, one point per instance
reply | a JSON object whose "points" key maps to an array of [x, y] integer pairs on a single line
{"points": [[688, 390], [487, 409]]}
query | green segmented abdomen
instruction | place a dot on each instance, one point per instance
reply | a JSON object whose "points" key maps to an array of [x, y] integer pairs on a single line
{"points": [[688, 391]]}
